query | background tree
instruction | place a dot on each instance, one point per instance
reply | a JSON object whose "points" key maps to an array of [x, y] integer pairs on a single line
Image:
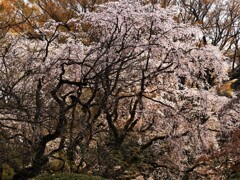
{"points": [[219, 21]]}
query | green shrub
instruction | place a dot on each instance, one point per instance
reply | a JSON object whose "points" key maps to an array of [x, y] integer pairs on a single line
{"points": [[7, 173], [66, 176]]}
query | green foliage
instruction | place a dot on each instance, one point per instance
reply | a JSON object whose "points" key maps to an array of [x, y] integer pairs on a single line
{"points": [[66, 176], [7, 173], [56, 165], [235, 176], [126, 161]]}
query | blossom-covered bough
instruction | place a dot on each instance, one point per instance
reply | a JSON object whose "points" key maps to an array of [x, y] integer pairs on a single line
{"points": [[129, 88]]}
